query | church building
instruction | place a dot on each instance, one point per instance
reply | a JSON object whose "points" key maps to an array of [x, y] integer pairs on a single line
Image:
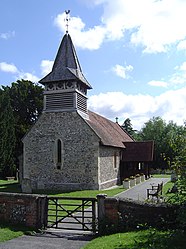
{"points": [[70, 147]]}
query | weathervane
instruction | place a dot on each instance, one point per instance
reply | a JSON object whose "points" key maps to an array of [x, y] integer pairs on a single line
{"points": [[67, 20]]}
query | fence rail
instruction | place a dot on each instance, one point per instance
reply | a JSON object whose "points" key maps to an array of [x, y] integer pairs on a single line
{"points": [[72, 213]]}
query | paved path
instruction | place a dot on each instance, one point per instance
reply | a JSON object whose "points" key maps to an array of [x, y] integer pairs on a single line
{"points": [[55, 239], [139, 192], [50, 240]]}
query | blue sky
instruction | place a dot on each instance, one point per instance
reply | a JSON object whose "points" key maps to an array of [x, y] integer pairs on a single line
{"points": [[132, 52]]}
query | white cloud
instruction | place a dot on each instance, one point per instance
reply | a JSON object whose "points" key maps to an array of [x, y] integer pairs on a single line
{"points": [[157, 83], [8, 68], [7, 35], [154, 25], [11, 68], [182, 45], [170, 105], [46, 66], [28, 76], [91, 38], [182, 67], [122, 71], [179, 77]]}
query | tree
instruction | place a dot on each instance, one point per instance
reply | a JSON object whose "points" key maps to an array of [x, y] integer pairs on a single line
{"points": [[167, 138], [174, 141], [179, 161], [154, 129], [7, 135], [25, 105], [127, 126]]}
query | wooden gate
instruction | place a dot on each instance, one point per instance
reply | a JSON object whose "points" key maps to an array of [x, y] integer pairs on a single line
{"points": [[72, 213]]}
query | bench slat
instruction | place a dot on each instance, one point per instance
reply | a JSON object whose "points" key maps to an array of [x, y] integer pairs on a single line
{"points": [[155, 190]]}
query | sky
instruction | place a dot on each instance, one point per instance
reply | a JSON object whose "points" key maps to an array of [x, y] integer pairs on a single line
{"points": [[133, 53]]}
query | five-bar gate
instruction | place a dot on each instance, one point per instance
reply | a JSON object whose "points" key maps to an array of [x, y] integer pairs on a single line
{"points": [[72, 213]]}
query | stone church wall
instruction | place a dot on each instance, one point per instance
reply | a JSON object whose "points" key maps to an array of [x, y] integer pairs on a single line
{"points": [[79, 169], [109, 161]]}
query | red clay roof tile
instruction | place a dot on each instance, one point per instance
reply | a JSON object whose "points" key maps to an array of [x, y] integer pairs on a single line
{"points": [[110, 133]]}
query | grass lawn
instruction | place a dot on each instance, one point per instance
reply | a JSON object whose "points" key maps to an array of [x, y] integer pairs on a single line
{"points": [[144, 239], [166, 187], [10, 186], [13, 186], [87, 193], [8, 232], [161, 176]]}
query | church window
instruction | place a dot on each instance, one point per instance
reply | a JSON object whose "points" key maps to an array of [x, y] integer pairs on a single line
{"points": [[115, 160], [59, 154]]}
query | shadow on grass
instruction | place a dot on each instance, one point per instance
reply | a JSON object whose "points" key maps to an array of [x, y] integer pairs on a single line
{"points": [[13, 187], [15, 228]]}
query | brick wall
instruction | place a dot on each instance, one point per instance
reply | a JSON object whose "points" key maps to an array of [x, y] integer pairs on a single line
{"points": [[23, 209], [128, 213]]}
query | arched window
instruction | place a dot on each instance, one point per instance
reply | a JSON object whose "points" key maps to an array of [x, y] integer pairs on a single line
{"points": [[59, 154], [59, 151], [115, 160]]}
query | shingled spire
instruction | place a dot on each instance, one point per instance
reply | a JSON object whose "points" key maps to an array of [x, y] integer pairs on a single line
{"points": [[65, 86], [66, 65]]}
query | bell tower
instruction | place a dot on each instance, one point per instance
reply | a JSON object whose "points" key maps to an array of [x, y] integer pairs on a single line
{"points": [[65, 86]]}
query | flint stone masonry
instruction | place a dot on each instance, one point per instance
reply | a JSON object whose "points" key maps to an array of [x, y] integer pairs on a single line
{"points": [[85, 165], [23, 209], [80, 145], [109, 174]]}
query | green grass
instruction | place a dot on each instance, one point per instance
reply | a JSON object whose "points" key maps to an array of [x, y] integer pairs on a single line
{"points": [[166, 188], [87, 193], [161, 176], [14, 186], [8, 232], [144, 239], [10, 186]]}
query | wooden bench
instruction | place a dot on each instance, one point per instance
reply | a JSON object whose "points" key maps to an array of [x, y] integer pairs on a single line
{"points": [[10, 178], [155, 191]]}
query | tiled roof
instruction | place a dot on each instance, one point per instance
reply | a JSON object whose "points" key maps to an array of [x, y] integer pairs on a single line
{"points": [[66, 65], [110, 133], [138, 151]]}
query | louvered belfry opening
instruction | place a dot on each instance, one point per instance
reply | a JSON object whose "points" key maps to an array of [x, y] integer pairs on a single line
{"points": [[58, 101], [65, 101], [65, 86], [81, 103]]}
